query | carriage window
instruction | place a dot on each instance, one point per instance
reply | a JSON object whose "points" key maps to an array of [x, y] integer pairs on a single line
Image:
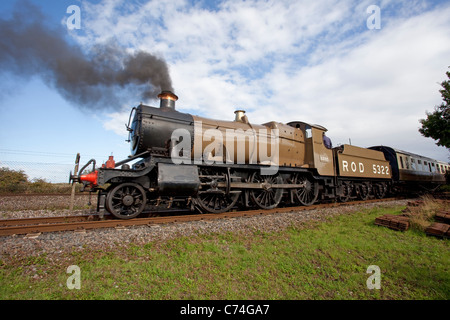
{"points": [[401, 162]]}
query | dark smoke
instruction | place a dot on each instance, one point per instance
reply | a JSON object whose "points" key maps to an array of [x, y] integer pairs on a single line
{"points": [[103, 77]]}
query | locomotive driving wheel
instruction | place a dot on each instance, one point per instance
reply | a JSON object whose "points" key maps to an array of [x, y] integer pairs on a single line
{"points": [[266, 197], [126, 200], [308, 194], [212, 198]]}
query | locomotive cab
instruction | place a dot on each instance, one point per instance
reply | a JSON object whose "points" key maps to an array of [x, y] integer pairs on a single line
{"points": [[317, 155]]}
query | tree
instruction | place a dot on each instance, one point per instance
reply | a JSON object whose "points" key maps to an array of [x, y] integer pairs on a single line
{"points": [[437, 124]]}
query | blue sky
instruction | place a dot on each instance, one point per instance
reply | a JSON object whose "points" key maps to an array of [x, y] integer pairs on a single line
{"points": [[313, 61]]}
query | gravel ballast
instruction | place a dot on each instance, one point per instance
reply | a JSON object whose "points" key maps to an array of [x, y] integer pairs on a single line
{"points": [[56, 243]]}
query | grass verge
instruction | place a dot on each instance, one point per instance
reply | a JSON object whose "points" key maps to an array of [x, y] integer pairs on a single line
{"points": [[317, 260]]}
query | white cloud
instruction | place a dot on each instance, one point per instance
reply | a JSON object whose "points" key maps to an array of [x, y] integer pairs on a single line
{"points": [[116, 122], [294, 60]]}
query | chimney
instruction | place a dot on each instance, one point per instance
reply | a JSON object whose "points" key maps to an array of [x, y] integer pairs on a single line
{"points": [[168, 99]]}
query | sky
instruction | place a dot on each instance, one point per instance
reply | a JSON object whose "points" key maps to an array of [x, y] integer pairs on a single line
{"points": [[368, 76]]}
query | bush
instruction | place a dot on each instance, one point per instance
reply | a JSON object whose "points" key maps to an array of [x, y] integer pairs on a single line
{"points": [[39, 185], [16, 181], [13, 180]]}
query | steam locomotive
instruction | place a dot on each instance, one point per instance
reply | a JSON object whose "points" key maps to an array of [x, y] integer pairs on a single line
{"points": [[213, 166]]}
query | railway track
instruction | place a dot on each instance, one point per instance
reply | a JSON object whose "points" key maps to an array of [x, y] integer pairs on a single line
{"points": [[87, 222]]}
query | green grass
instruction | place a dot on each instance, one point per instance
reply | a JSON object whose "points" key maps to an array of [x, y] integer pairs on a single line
{"points": [[317, 260]]}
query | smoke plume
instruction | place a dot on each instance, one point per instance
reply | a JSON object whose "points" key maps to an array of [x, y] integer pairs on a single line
{"points": [[104, 77]]}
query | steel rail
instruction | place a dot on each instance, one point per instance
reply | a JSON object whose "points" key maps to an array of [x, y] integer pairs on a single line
{"points": [[42, 220], [4, 195], [86, 222]]}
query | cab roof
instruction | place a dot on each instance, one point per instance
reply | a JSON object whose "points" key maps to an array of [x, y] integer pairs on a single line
{"points": [[301, 123]]}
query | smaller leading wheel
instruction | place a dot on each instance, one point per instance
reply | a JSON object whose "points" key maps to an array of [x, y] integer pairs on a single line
{"points": [[126, 200]]}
